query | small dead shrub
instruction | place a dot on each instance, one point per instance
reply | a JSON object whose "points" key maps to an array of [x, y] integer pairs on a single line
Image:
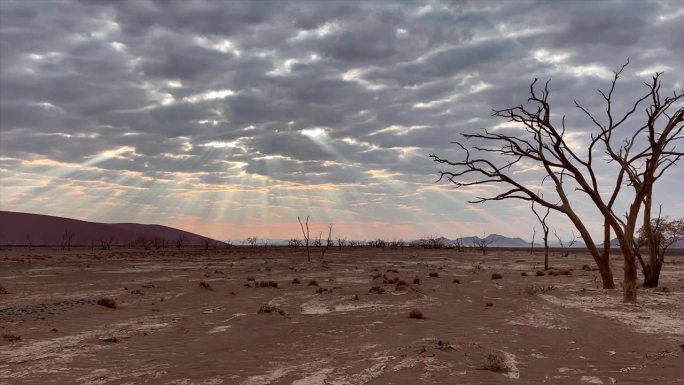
{"points": [[107, 302], [10, 337], [251, 279], [376, 290], [267, 309], [540, 273], [565, 272], [495, 363], [393, 271], [416, 281], [489, 304], [497, 276], [3, 290], [356, 298], [586, 267], [434, 274], [376, 276], [272, 284], [456, 280], [532, 290], [296, 281], [205, 285], [524, 274], [416, 314], [313, 283]]}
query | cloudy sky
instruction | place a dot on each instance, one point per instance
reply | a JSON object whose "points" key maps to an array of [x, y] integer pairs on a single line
{"points": [[233, 118]]}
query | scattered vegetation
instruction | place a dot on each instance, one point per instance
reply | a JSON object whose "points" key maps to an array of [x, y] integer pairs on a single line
{"points": [[272, 284], [497, 276], [434, 274], [296, 281], [416, 314], [205, 285], [107, 302]]}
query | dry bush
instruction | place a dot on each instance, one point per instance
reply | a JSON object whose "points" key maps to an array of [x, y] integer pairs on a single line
{"points": [[434, 274], [416, 314], [416, 281], [524, 274], [205, 285], [107, 302], [489, 304], [313, 283], [267, 309], [376, 276], [565, 272], [393, 271], [3, 290], [456, 280], [376, 290], [540, 273], [10, 337], [497, 276], [296, 281], [356, 298], [532, 290], [495, 363], [586, 267], [272, 284], [251, 279], [321, 290]]}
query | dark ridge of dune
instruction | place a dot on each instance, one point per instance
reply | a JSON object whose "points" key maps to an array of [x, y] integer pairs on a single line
{"points": [[46, 230]]}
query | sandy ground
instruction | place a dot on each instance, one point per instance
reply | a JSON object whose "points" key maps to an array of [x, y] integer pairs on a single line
{"points": [[167, 329]]}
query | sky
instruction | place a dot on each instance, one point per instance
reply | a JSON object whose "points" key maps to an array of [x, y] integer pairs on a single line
{"points": [[231, 119]]}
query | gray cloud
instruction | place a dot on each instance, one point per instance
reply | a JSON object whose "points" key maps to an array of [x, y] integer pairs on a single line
{"points": [[264, 93]]}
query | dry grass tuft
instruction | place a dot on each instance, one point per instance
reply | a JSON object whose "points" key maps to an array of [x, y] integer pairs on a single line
{"points": [[496, 363], [532, 290], [356, 298], [456, 280], [296, 281], [272, 284], [434, 274], [586, 267], [497, 276], [376, 290], [10, 337], [107, 302], [251, 279], [524, 274], [540, 273], [205, 285], [393, 271], [313, 283], [489, 304], [267, 309], [416, 280], [3, 290], [416, 314]]}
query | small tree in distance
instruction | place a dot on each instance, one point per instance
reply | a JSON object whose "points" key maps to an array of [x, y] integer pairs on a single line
{"points": [[482, 243], [545, 233], [305, 234]]}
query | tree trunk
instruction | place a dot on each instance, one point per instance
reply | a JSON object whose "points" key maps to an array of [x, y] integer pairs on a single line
{"points": [[602, 262], [652, 277]]}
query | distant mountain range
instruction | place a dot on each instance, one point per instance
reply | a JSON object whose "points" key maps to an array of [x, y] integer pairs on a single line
{"points": [[35, 229]]}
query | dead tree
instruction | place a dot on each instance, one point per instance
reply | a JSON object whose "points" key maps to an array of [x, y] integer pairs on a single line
{"points": [[482, 243], [106, 242], [252, 241], [662, 234], [328, 241], [565, 253], [67, 238], [644, 155], [341, 242], [305, 234], [181, 239], [545, 232], [534, 236]]}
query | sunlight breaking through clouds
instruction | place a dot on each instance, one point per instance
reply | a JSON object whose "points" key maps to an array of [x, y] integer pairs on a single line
{"points": [[243, 115]]}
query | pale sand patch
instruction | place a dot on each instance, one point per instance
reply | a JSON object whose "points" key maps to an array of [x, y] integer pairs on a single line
{"points": [[642, 317], [540, 318]]}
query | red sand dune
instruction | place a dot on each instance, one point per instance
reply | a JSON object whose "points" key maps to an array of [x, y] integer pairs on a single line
{"points": [[24, 228]]}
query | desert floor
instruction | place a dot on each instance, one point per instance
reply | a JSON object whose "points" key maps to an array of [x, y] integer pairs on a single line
{"points": [[167, 329]]}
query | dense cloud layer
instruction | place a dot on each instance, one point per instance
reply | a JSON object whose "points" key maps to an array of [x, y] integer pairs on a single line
{"points": [[196, 112]]}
